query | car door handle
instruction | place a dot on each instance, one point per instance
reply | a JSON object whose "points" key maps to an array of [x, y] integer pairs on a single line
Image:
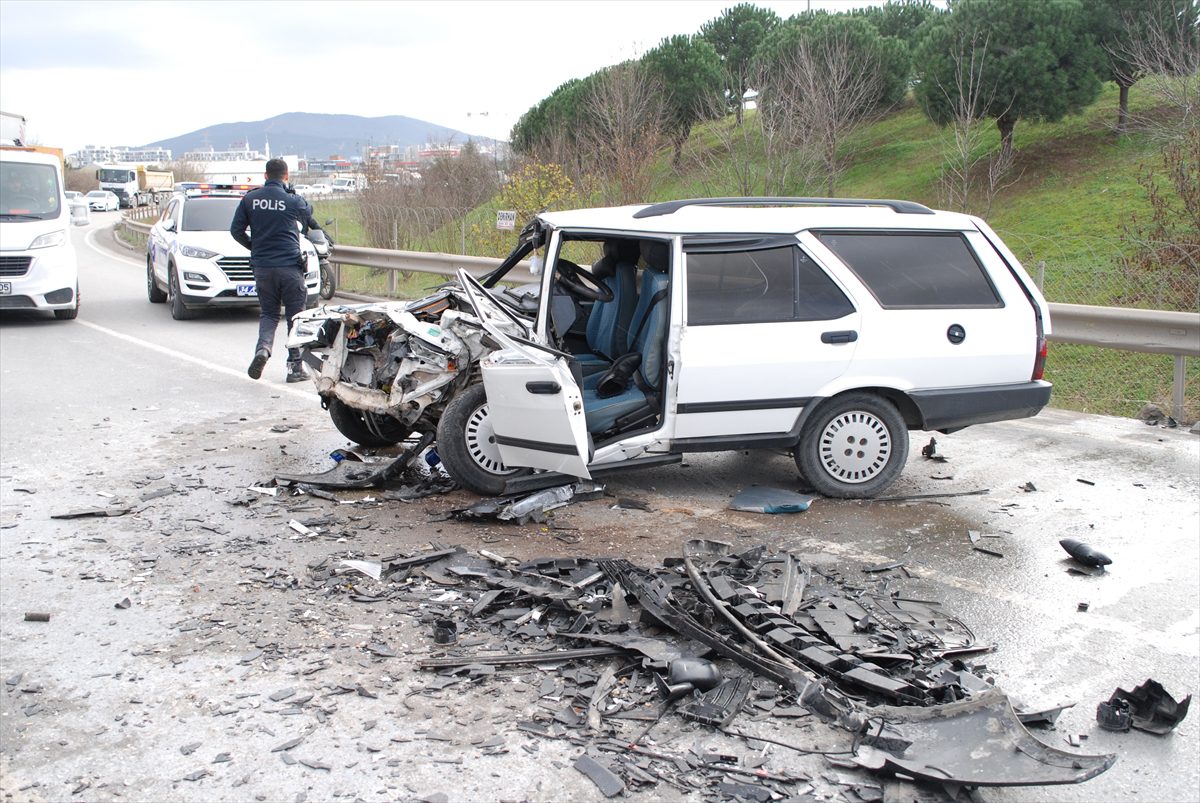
{"points": [[844, 336], [546, 388]]}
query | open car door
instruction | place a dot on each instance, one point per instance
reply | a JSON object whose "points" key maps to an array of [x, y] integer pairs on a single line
{"points": [[534, 401]]}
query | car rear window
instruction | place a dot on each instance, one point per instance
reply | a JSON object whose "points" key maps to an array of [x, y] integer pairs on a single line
{"points": [[209, 214], [760, 286], [915, 269]]}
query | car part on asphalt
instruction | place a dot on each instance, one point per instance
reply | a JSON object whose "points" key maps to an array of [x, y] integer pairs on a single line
{"points": [[756, 499], [351, 474], [1150, 707], [1114, 715], [1084, 553]]}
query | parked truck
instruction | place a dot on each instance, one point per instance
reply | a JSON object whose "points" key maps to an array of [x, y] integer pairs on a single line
{"points": [[136, 186]]}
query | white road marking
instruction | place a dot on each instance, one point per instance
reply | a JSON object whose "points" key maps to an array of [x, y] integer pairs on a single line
{"points": [[211, 366], [88, 238], [179, 355]]}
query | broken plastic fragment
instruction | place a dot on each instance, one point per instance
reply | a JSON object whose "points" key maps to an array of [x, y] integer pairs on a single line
{"points": [[1151, 708], [757, 499], [367, 567], [1084, 553], [1114, 715]]}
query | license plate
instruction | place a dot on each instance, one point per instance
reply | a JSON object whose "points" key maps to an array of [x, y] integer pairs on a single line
{"points": [[247, 290], [5, 288]]}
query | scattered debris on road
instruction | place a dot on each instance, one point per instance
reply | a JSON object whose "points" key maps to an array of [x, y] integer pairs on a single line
{"points": [[1084, 553], [712, 636]]}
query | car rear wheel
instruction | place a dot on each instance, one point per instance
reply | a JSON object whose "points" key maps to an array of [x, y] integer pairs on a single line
{"points": [[178, 311], [366, 429], [153, 291], [467, 445], [854, 447]]}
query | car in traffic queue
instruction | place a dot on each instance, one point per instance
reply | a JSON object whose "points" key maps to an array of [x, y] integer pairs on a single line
{"points": [[193, 262], [103, 201]]}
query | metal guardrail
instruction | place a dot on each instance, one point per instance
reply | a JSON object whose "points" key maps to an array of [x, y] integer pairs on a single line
{"points": [[1143, 330], [423, 262]]}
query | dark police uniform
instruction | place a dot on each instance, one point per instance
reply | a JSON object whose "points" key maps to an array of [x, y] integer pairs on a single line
{"points": [[271, 213]]}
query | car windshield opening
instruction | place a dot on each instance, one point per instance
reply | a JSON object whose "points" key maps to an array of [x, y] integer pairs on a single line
{"points": [[209, 214], [29, 190]]}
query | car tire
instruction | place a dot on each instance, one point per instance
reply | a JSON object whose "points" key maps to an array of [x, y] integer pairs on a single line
{"points": [[153, 292], [69, 314], [854, 446], [366, 429], [178, 311], [467, 447]]}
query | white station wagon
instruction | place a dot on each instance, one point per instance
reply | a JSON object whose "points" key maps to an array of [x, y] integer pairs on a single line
{"points": [[828, 327]]}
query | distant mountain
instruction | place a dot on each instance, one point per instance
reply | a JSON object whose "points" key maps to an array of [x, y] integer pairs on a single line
{"points": [[316, 136]]}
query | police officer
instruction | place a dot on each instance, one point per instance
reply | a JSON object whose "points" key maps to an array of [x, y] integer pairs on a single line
{"points": [[271, 213]]}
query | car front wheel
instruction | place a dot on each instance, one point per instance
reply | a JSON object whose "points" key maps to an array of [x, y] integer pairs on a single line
{"points": [[466, 443], [178, 310], [153, 291], [854, 447]]}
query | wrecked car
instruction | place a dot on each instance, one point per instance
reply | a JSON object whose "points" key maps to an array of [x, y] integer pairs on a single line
{"points": [[825, 327]]}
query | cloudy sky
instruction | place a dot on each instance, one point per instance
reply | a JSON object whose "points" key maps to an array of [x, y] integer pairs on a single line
{"points": [[128, 73]]}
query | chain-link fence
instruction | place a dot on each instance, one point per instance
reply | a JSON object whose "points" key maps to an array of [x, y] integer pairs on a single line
{"points": [[1113, 272]]}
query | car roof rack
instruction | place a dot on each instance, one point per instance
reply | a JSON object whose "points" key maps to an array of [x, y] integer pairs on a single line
{"points": [[670, 207]]}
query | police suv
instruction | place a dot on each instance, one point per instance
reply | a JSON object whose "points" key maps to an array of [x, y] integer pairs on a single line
{"points": [[192, 261]]}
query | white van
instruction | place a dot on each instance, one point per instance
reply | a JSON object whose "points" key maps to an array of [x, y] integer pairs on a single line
{"points": [[38, 267]]}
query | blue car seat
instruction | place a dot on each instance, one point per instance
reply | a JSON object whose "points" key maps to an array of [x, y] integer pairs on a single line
{"points": [[608, 322], [639, 389]]}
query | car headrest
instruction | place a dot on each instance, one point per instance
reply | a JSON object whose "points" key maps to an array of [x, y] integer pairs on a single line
{"points": [[605, 266], [657, 255]]}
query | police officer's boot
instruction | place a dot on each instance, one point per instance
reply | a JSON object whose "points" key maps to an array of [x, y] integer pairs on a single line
{"points": [[296, 372]]}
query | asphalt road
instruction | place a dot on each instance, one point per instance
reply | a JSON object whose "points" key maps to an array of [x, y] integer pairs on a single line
{"points": [[125, 400]]}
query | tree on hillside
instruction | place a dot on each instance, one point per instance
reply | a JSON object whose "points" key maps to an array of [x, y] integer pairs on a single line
{"points": [[624, 132], [1041, 61], [824, 76], [689, 70], [963, 156], [1167, 55], [736, 35], [903, 19], [1128, 33]]}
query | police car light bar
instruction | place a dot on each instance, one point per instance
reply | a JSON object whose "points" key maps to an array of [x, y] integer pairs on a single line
{"points": [[193, 188]]}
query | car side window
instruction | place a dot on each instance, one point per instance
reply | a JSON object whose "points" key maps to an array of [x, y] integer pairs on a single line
{"points": [[169, 212], [760, 286], [915, 270]]}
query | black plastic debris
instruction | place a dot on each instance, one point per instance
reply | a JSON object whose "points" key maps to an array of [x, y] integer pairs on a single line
{"points": [[757, 499], [529, 507], [608, 783], [1084, 553], [720, 634], [975, 742], [929, 452], [123, 604], [1150, 707], [1114, 715], [351, 474], [92, 512]]}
